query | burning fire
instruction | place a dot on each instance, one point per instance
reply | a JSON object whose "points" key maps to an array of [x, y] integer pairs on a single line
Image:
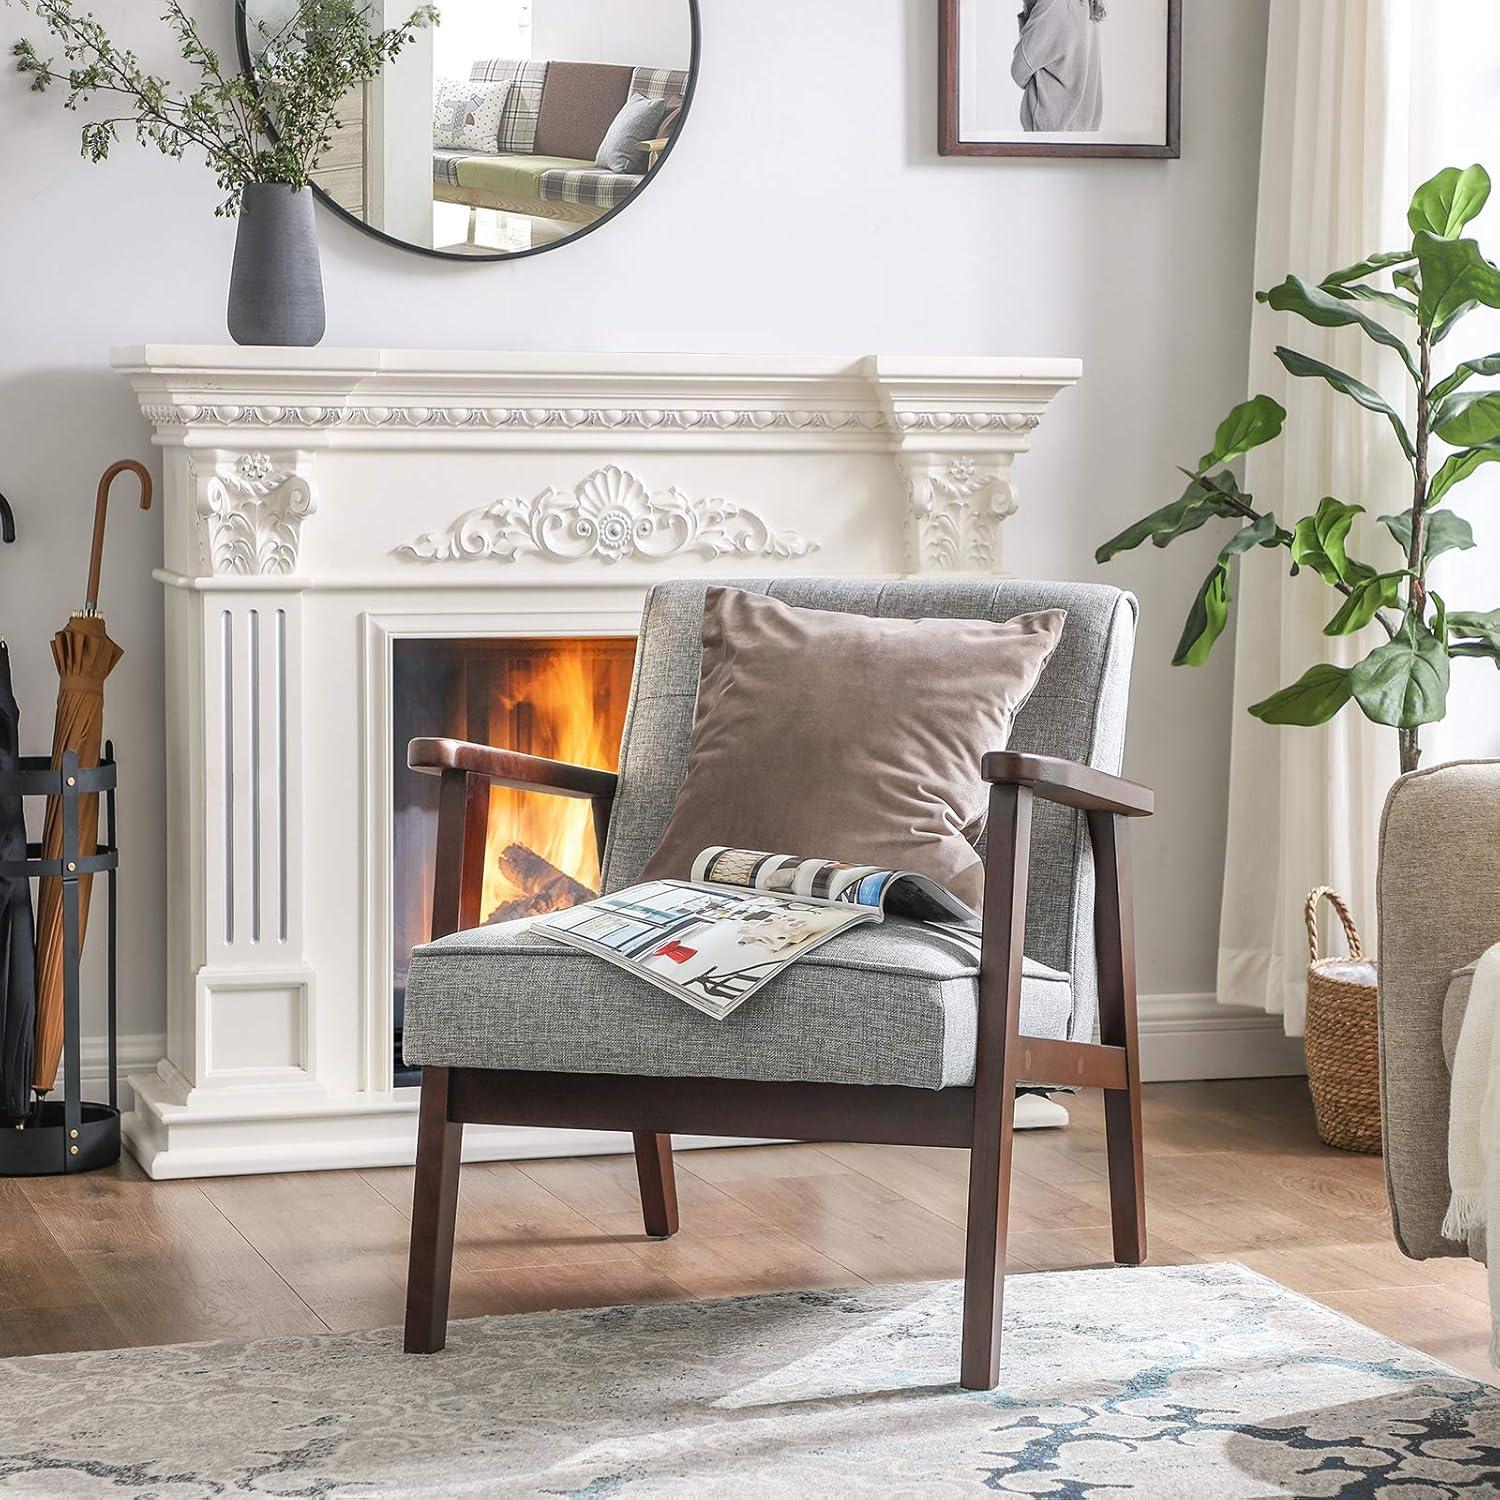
{"points": [[567, 704]]}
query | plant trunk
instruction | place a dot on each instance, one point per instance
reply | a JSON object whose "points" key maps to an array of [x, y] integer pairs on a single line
{"points": [[276, 287], [1416, 593], [1411, 750]]}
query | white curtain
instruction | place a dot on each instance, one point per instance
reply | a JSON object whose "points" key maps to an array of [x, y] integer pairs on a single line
{"points": [[1360, 105]]}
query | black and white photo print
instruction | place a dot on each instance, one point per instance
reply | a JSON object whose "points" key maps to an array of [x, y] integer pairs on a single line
{"points": [[1060, 77]]}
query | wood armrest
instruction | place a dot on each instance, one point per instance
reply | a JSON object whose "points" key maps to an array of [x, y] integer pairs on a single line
{"points": [[1069, 783], [510, 768]]}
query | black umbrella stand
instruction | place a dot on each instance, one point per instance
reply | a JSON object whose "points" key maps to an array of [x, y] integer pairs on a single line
{"points": [[69, 1134]]}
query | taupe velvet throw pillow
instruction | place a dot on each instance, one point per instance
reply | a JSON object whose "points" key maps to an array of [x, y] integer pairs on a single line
{"points": [[849, 737]]}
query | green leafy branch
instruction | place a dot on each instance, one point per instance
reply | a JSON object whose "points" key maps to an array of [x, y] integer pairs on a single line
{"points": [[1434, 283], [273, 128]]}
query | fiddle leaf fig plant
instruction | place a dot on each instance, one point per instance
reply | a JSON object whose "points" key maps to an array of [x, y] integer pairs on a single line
{"points": [[273, 129], [1434, 282]]}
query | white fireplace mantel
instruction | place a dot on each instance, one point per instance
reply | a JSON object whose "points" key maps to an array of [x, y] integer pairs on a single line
{"points": [[322, 504]]}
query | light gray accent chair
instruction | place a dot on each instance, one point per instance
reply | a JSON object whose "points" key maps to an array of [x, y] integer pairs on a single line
{"points": [[1438, 892], [895, 1032]]}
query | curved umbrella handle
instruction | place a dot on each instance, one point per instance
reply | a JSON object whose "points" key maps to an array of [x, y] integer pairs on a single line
{"points": [[7, 521], [101, 505]]}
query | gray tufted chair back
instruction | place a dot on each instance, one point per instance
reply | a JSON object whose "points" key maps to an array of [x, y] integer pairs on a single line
{"points": [[1077, 713]]}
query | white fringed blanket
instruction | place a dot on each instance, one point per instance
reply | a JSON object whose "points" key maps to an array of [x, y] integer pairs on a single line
{"points": [[1474, 1128]]}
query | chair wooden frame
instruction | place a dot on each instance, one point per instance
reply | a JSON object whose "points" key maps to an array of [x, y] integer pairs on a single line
{"points": [[654, 1109]]}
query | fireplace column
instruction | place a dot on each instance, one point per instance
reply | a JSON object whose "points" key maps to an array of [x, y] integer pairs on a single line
{"points": [[242, 1018]]}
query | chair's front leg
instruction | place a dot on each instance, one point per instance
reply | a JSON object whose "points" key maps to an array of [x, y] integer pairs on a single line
{"points": [[1114, 942], [434, 1210], [463, 820], [1007, 863]]}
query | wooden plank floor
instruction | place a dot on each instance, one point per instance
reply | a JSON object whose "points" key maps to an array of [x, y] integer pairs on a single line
{"points": [[1234, 1172]]}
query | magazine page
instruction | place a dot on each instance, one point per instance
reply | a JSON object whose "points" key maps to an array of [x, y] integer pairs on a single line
{"points": [[900, 893], [710, 946]]}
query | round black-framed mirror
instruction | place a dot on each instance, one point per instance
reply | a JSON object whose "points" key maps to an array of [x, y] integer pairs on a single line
{"points": [[610, 122]]}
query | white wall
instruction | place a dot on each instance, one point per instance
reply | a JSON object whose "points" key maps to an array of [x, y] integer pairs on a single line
{"points": [[643, 33], [472, 29], [837, 229]]}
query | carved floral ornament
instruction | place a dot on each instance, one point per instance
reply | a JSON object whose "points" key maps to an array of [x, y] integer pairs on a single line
{"points": [[958, 505], [611, 515], [250, 514]]}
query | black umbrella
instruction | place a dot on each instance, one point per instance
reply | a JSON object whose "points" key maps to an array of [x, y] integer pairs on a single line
{"points": [[17, 939], [17, 942]]}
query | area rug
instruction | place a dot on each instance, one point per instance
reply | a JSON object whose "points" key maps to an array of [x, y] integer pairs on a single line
{"points": [[1195, 1381]]}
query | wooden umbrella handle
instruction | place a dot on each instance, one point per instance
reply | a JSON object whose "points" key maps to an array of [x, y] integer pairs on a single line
{"points": [[101, 506]]}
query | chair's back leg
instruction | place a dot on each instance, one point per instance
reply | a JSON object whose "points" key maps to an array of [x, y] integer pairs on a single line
{"points": [[1114, 938], [653, 1166], [434, 1210], [1006, 867]]}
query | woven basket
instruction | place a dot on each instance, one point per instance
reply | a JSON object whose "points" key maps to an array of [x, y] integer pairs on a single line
{"points": [[1343, 1058]]}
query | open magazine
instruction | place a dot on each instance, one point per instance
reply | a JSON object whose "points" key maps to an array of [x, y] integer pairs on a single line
{"points": [[714, 940]]}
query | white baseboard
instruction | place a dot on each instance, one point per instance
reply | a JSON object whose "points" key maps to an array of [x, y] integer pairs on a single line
{"points": [[1186, 1037], [138, 1053]]}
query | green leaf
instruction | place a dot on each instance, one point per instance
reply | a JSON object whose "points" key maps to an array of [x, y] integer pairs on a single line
{"points": [[1250, 424], [1301, 365], [1316, 696], [1404, 682], [1196, 505], [1445, 203], [1399, 526], [1210, 612], [1458, 466], [1206, 619], [1318, 541], [1407, 282], [1446, 531], [1455, 277], [1317, 306], [1382, 260], [1468, 419], [1471, 623], [1490, 649], [1489, 365], [1443, 531], [1367, 599], [1375, 294]]}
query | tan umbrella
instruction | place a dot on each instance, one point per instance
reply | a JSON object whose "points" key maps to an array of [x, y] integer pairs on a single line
{"points": [[85, 656]]}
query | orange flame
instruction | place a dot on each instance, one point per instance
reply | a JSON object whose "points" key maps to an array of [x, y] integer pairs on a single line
{"points": [[569, 705]]}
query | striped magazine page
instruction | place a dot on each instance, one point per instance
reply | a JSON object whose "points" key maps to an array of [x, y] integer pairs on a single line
{"points": [[901, 893]]}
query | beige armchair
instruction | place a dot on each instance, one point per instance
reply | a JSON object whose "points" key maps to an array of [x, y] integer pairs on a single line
{"points": [[1439, 899]]}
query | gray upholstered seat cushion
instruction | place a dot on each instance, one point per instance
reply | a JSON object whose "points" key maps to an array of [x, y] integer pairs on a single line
{"points": [[888, 1004]]}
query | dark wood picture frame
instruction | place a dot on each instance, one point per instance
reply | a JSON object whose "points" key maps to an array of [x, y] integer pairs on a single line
{"points": [[951, 144]]}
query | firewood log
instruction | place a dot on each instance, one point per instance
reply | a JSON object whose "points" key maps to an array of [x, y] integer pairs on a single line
{"points": [[543, 886]]}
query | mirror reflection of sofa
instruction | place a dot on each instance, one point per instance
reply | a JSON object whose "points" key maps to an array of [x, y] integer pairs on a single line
{"points": [[551, 120]]}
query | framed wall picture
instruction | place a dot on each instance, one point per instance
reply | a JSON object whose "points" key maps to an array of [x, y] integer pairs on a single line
{"points": [[1060, 78]]}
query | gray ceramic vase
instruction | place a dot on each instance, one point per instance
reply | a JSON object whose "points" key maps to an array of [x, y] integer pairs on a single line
{"points": [[276, 287]]}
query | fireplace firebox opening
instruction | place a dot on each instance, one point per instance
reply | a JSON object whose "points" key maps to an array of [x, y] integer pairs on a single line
{"points": [[562, 697]]}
